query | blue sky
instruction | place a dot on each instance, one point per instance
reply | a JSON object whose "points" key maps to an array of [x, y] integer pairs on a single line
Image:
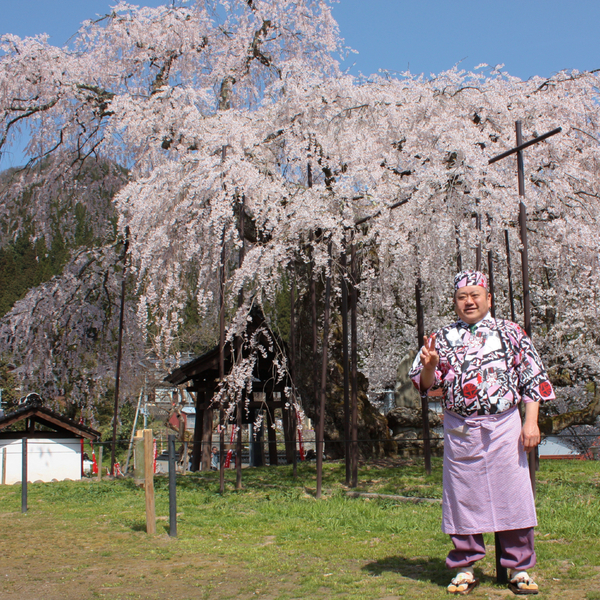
{"points": [[531, 37]]}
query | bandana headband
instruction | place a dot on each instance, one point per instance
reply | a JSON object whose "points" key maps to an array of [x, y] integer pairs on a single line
{"points": [[470, 278]]}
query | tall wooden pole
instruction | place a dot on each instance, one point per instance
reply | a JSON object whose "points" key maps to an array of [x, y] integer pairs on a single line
{"points": [[511, 295], [346, 365], [291, 420], [119, 353], [424, 398], [222, 364], [320, 434], [478, 249], [354, 362], [240, 406], [491, 282]]}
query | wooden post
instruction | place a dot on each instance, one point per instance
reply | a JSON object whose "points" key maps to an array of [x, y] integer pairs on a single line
{"points": [[320, 441], [185, 463], [491, 282], [509, 275], [149, 481], [424, 398], [271, 433], [119, 353], [289, 415], [346, 365], [354, 363]]}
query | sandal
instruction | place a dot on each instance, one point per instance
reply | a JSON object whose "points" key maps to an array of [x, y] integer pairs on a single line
{"points": [[521, 584], [464, 583]]}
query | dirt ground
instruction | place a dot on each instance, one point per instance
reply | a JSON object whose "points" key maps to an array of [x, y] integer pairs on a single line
{"points": [[45, 559]]}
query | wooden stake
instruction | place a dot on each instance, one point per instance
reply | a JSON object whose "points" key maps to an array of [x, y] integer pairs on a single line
{"points": [[149, 481]]}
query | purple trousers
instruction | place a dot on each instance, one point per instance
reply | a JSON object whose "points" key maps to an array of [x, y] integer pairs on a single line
{"points": [[517, 549]]}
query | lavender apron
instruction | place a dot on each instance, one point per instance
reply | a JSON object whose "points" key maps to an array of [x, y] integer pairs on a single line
{"points": [[486, 475]]}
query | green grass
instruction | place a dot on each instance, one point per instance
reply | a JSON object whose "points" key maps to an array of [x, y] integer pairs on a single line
{"points": [[274, 540]]}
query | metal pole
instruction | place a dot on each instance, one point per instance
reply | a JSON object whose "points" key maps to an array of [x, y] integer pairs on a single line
{"points": [[424, 398], [172, 488], [119, 352], [509, 275], [24, 475], [321, 430]]}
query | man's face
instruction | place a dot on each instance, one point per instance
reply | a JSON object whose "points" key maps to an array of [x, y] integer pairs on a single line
{"points": [[472, 303]]}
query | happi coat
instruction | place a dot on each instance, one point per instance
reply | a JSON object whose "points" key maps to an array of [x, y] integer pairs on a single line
{"points": [[485, 370]]}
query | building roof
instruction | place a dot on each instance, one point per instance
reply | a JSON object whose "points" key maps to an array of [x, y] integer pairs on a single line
{"points": [[34, 409]]}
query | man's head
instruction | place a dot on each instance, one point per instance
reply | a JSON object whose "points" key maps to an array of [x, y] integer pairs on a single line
{"points": [[472, 300]]}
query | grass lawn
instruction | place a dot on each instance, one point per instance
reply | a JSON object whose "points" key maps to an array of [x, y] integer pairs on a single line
{"points": [[273, 540]]}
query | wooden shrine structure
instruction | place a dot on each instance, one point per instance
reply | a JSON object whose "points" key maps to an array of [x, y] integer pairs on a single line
{"points": [[202, 378]]}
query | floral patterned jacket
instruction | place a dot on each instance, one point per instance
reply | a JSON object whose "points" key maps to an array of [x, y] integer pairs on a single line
{"points": [[486, 368]]}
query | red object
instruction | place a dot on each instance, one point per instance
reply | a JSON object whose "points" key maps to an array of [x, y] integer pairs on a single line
{"points": [[300, 442], [230, 451], [94, 463], [470, 391], [545, 389], [154, 462]]}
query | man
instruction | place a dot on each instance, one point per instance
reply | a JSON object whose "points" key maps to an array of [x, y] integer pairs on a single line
{"points": [[486, 367]]}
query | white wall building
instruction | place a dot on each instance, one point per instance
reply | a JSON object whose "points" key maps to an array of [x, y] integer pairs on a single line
{"points": [[54, 444]]}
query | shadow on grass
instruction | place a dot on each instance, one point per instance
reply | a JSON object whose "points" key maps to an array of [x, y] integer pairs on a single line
{"points": [[425, 569], [432, 570]]}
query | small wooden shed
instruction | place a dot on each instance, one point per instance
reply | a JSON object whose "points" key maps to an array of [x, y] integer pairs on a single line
{"points": [[54, 444], [202, 376]]}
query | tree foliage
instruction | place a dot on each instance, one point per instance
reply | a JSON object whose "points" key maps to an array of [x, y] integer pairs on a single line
{"points": [[222, 100]]}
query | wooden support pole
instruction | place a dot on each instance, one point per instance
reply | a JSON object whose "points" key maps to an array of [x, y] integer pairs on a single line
{"points": [[119, 353], [289, 414], [478, 249], [271, 433], [222, 365], [424, 397], [320, 442], [238, 348], [346, 366], [149, 481], [511, 295], [354, 363], [491, 282]]}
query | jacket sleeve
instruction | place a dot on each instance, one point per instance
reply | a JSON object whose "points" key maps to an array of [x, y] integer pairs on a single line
{"points": [[534, 384]]}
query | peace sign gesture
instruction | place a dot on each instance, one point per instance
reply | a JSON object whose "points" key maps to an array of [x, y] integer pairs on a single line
{"points": [[429, 359]]}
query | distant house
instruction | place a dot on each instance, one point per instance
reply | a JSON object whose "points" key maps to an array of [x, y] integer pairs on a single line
{"points": [[557, 448], [54, 444]]}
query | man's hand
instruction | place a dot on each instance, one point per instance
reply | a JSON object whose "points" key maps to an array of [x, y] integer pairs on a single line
{"points": [[530, 432], [429, 359]]}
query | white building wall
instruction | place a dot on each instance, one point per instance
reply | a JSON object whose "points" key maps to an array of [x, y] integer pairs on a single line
{"points": [[46, 460]]}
